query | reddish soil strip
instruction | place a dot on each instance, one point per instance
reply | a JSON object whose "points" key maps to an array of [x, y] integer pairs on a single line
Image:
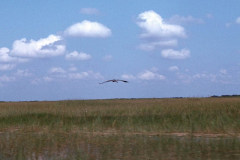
{"points": [[178, 134], [111, 132]]}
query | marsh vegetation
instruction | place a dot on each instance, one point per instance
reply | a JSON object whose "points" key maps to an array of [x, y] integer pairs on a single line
{"points": [[186, 128]]}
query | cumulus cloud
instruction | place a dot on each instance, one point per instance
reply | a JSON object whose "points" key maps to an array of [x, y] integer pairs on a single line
{"points": [[155, 44], [212, 77], [159, 33], [83, 75], [149, 75], [5, 67], [177, 19], [223, 71], [45, 47], [89, 11], [6, 78], [6, 57], [88, 29], [128, 76], [56, 70], [238, 20], [155, 27], [23, 73], [78, 56], [58, 73], [72, 69], [173, 68], [54, 73], [47, 79], [175, 54]]}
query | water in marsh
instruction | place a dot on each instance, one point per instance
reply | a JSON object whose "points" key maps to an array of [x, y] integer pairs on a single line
{"points": [[51, 146]]}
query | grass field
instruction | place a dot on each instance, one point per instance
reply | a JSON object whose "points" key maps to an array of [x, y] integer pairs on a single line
{"points": [[53, 130], [206, 115]]}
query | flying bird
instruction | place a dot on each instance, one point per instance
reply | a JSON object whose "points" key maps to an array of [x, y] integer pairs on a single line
{"points": [[114, 80]]}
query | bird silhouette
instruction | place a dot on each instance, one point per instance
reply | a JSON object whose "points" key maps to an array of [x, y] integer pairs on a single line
{"points": [[114, 80]]}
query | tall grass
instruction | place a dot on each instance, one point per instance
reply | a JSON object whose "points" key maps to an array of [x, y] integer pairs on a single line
{"points": [[61, 146], [208, 115]]}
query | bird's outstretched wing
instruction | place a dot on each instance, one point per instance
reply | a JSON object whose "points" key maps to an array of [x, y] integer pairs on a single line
{"points": [[122, 80], [106, 81], [114, 80]]}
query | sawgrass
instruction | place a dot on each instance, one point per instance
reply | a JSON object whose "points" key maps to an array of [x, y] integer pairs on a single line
{"points": [[121, 129], [208, 115], [62, 146]]}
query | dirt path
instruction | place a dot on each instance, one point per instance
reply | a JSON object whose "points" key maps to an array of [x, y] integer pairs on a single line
{"points": [[178, 134], [113, 132]]}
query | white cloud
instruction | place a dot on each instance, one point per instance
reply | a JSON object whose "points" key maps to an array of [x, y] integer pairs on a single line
{"points": [[43, 79], [149, 75], [57, 70], [153, 45], [5, 78], [72, 69], [223, 71], [83, 75], [128, 76], [5, 67], [23, 73], [5, 56], [238, 20], [177, 19], [183, 77], [58, 73], [155, 27], [174, 54], [47, 79], [45, 47], [173, 68], [78, 56], [89, 11], [159, 33], [211, 77], [88, 29]]}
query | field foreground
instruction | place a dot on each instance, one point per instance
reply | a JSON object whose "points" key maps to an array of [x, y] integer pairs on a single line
{"points": [[53, 130]]}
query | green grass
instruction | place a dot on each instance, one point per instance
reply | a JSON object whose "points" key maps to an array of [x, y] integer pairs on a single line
{"points": [[62, 146], [121, 129], [207, 115]]}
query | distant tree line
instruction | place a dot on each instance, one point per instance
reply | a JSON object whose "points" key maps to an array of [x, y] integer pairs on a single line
{"points": [[234, 95]]}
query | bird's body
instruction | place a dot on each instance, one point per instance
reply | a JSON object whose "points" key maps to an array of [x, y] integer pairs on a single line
{"points": [[114, 80]]}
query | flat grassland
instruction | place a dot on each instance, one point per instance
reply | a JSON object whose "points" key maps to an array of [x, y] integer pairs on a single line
{"points": [[176, 115], [177, 128]]}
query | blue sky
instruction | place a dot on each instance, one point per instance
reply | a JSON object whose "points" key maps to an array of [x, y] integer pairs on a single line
{"points": [[55, 50]]}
